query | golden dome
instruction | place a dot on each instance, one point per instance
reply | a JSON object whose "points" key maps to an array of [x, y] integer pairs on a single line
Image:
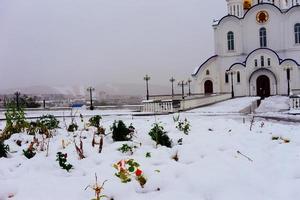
{"points": [[247, 4]]}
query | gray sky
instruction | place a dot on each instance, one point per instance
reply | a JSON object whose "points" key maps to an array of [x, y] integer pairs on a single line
{"points": [[82, 42]]}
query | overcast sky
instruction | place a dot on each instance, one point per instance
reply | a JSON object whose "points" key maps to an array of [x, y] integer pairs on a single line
{"points": [[83, 42]]}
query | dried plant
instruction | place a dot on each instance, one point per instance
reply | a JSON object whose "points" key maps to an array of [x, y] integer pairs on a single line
{"points": [[176, 157], [251, 123], [98, 189], [100, 143], [245, 156], [79, 149]]}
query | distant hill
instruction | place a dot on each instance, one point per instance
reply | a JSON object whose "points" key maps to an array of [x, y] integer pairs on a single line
{"points": [[110, 89]]}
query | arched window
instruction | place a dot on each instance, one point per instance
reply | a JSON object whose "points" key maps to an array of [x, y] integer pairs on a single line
{"points": [[230, 41], [226, 78], [262, 61], [263, 37], [207, 72], [297, 33], [238, 77]]}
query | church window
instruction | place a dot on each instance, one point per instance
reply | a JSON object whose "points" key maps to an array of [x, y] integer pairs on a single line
{"points": [[255, 62], [238, 77], [263, 37], [269, 62], [226, 78], [297, 33], [234, 9], [262, 61], [230, 41], [207, 72]]}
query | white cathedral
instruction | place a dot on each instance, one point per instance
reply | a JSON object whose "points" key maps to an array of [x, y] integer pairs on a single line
{"points": [[257, 50]]}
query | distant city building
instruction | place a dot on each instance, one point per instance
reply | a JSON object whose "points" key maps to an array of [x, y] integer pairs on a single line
{"points": [[257, 50]]}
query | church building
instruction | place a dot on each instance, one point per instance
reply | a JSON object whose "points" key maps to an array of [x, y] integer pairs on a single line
{"points": [[257, 50]]}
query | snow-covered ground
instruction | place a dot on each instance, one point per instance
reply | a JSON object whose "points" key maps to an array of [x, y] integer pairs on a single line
{"points": [[230, 106], [274, 104], [277, 107], [76, 112], [209, 165]]}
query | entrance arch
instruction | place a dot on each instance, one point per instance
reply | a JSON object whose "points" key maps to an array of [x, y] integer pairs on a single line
{"points": [[261, 78], [208, 87], [263, 86]]}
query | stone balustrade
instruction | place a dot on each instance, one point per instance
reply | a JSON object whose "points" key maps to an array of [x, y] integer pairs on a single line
{"points": [[295, 102], [157, 106]]}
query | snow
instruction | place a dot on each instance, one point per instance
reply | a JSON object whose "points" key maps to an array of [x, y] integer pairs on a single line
{"points": [[75, 111], [274, 104], [230, 106], [209, 167]]}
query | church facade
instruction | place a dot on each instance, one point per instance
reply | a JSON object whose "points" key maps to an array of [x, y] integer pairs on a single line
{"points": [[257, 50]]}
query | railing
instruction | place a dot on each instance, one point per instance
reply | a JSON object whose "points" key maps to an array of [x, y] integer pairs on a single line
{"points": [[203, 100], [295, 102], [190, 102], [156, 106]]}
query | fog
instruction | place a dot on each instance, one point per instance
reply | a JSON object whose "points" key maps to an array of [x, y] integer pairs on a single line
{"points": [[90, 42]]}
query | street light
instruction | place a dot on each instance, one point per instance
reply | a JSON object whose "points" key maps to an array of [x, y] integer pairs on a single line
{"points": [[90, 90], [147, 78], [231, 72], [189, 82], [182, 84], [288, 69], [172, 80], [17, 94]]}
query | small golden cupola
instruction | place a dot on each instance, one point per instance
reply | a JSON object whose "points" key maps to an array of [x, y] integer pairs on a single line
{"points": [[247, 4]]}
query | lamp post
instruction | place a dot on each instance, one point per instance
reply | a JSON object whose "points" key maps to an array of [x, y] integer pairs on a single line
{"points": [[288, 69], [231, 72], [147, 78], [189, 82], [90, 90], [17, 94], [172, 80], [182, 84]]}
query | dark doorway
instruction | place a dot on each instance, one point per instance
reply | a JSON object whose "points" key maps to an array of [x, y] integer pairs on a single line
{"points": [[263, 86], [208, 87]]}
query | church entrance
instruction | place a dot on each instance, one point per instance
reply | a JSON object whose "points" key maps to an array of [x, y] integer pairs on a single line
{"points": [[263, 86], [208, 87]]}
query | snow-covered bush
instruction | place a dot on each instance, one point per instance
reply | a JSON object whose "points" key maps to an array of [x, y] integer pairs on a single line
{"points": [[29, 153], [72, 127], [95, 121], [184, 126], [128, 169], [15, 120], [3, 150], [62, 160], [160, 136], [48, 121], [44, 125], [148, 155], [125, 148], [120, 132]]}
